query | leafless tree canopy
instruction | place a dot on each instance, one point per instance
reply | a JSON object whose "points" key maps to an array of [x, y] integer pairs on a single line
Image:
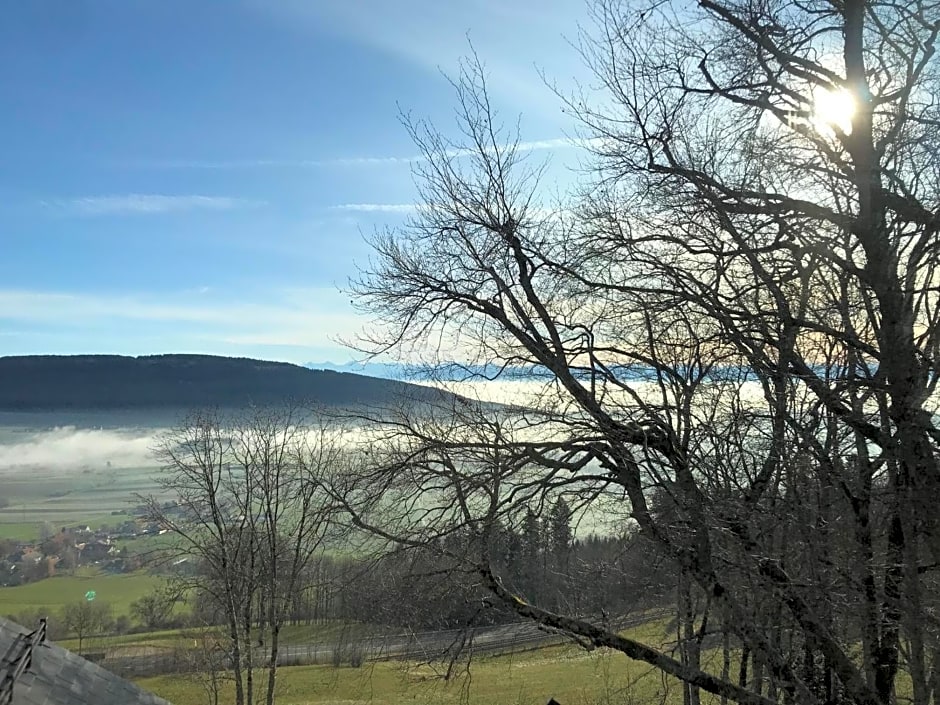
{"points": [[738, 315], [251, 515]]}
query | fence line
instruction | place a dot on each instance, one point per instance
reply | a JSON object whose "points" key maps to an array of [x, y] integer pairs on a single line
{"points": [[413, 646]]}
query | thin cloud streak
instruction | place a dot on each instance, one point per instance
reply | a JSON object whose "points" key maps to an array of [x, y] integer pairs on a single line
{"points": [[236, 164], [364, 161], [309, 320], [405, 208], [411, 208], [146, 204], [287, 308]]}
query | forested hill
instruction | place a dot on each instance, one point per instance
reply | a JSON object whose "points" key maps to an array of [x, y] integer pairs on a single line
{"points": [[39, 382]]}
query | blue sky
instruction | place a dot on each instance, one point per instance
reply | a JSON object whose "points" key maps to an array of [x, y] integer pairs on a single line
{"points": [[196, 175]]}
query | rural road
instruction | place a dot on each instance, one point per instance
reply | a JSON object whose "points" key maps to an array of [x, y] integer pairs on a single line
{"points": [[414, 646], [424, 645]]}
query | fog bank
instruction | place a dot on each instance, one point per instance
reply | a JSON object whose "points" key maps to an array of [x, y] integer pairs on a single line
{"points": [[68, 448]]}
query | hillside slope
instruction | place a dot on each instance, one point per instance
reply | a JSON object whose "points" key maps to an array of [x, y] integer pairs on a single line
{"points": [[36, 382]]}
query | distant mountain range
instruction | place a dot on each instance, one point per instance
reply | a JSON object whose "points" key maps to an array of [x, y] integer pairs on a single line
{"points": [[383, 370], [41, 382], [444, 371]]}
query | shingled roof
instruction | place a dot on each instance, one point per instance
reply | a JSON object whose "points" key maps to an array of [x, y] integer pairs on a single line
{"points": [[59, 677]]}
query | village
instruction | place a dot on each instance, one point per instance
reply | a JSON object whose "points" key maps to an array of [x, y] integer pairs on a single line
{"points": [[63, 550]]}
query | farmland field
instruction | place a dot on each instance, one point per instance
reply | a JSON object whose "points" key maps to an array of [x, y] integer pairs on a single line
{"points": [[61, 469], [118, 590], [568, 673], [89, 496], [66, 469], [168, 639]]}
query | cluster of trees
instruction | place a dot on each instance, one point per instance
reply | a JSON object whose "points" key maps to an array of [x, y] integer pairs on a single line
{"points": [[436, 586], [603, 575], [81, 619], [249, 518], [411, 589]]}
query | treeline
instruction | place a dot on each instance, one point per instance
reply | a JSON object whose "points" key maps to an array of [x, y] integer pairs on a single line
{"points": [[419, 589], [541, 561]]}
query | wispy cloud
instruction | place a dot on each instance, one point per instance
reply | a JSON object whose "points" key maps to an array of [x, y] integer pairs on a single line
{"points": [[309, 316], [404, 208], [517, 39], [553, 144], [277, 163], [542, 213], [287, 306], [146, 203], [558, 143], [373, 161]]}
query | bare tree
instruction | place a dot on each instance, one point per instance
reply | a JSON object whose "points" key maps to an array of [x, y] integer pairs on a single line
{"points": [[154, 610], [85, 618], [209, 519], [738, 317], [207, 663], [290, 455], [250, 515]]}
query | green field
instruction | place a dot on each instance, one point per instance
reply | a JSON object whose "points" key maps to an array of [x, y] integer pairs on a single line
{"points": [[118, 590], [18, 530], [66, 468], [91, 496], [183, 638], [148, 543], [569, 674]]}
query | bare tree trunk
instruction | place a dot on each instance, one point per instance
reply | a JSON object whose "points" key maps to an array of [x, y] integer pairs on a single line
{"points": [[237, 662], [757, 673], [935, 676], [248, 647], [725, 658], [870, 622], [887, 656], [913, 626], [689, 645], [742, 667], [272, 665]]}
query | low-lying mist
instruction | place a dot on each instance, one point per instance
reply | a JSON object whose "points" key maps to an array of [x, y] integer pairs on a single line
{"points": [[68, 448]]}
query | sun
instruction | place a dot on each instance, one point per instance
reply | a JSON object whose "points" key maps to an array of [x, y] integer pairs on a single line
{"points": [[833, 109]]}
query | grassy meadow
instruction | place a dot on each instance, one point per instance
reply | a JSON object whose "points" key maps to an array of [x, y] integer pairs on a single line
{"points": [[117, 590], [570, 674]]}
